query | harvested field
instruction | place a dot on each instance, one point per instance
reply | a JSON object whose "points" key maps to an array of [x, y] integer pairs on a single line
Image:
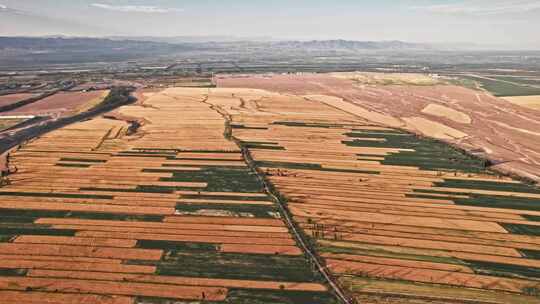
{"points": [[62, 102], [13, 98], [442, 111], [365, 78], [433, 129], [168, 212], [531, 102]]}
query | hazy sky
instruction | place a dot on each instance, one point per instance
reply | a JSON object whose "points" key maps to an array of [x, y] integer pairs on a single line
{"points": [[515, 22]]}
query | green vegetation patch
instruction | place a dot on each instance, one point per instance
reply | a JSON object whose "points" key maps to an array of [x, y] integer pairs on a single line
{"points": [[533, 218], [6, 238], [307, 166], [219, 179], [250, 296], [208, 262], [488, 185], [521, 229], [82, 160], [504, 270], [73, 165], [29, 216], [428, 154], [34, 230], [237, 126], [261, 145], [173, 247], [227, 197], [492, 201], [238, 266], [505, 202], [518, 80], [7, 272], [307, 124], [138, 189], [264, 211], [530, 254], [503, 88]]}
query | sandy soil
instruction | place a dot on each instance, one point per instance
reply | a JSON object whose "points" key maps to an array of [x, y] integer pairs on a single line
{"points": [[386, 78], [531, 102], [59, 102], [433, 129], [442, 111], [501, 131], [13, 98]]}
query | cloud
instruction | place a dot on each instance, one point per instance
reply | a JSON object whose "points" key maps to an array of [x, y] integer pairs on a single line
{"points": [[148, 9], [483, 7]]}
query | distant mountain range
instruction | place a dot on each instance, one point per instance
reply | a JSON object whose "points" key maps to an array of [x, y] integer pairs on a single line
{"points": [[175, 43], [353, 45], [16, 51]]}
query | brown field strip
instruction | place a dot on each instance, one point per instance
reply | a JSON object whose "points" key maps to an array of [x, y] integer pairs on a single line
{"points": [[36, 297], [114, 288], [81, 251], [177, 280], [63, 265]]}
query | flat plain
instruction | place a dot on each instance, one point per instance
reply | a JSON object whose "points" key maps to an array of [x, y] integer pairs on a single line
{"points": [[177, 199], [102, 212]]}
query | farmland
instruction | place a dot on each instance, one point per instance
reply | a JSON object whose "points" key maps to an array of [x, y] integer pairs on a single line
{"points": [[186, 196], [13, 98], [163, 211], [62, 103], [394, 216], [532, 102]]}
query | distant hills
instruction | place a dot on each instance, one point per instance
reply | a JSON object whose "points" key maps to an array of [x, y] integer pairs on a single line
{"points": [[353, 45], [178, 43], [21, 51], [16, 51]]}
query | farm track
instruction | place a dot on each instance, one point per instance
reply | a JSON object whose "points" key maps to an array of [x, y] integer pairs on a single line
{"points": [[287, 217]]}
